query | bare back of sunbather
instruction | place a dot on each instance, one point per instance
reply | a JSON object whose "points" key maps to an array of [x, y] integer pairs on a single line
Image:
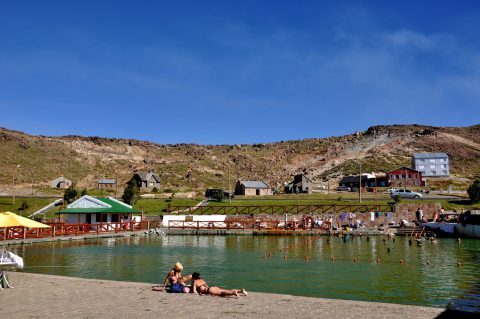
{"points": [[200, 286]]}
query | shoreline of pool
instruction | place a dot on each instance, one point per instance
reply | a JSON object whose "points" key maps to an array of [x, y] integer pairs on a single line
{"points": [[51, 296], [182, 232]]}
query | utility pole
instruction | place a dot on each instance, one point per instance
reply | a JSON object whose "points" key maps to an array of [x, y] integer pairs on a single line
{"points": [[360, 184], [229, 188], [13, 183], [116, 182]]}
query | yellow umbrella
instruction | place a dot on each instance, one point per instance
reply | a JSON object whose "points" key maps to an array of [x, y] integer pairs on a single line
{"points": [[8, 219]]}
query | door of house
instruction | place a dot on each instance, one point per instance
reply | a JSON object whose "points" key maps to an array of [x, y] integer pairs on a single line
{"points": [[257, 192], [89, 219]]}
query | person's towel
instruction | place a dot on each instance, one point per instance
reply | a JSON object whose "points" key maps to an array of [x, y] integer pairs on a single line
{"points": [[17, 259]]}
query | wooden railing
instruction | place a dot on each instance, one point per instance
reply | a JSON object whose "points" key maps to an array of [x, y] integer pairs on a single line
{"points": [[265, 224], [278, 209], [71, 230]]}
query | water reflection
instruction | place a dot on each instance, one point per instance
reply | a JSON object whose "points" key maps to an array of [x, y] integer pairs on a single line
{"points": [[362, 269]]}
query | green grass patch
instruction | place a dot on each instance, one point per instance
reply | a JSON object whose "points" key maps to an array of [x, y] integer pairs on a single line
{"points": [[24, 205], [159, 206]]}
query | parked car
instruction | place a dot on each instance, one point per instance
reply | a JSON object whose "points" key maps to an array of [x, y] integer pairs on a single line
{"points": [[405, 193], [390, 190], [343, 189]]}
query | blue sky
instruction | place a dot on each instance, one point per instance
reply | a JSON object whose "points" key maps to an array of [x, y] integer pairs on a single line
{"points": [[225, 72]]}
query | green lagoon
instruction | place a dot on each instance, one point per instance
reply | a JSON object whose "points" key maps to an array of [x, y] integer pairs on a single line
{"points": [[429, 276]]}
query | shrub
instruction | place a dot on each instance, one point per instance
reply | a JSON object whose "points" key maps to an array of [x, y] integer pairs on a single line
{"points": [[474, 191], [396, 198], [70, 194], [23, 206], [218, 195], [154, 190], [131, 193]]}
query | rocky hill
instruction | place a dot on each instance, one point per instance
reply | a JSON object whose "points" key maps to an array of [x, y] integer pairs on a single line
{"points": [[86, 159]]}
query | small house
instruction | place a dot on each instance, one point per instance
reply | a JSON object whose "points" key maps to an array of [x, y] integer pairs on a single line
{"points": [[61, 182], [404, 177], [252, 188], [95, 210], [108, 184], [300, 184], [146, 179]]}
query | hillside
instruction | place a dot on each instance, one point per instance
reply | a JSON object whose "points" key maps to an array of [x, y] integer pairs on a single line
{"points": [[86, 159]]}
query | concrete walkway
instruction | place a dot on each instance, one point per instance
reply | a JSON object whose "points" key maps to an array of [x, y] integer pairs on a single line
{"points": [[45, 296]]}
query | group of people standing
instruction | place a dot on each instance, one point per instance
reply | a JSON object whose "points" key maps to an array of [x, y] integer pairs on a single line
{"points": [[175, 282]]}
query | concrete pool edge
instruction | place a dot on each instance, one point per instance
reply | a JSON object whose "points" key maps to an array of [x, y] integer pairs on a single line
{"points": [[184, 232], [49, 296]]}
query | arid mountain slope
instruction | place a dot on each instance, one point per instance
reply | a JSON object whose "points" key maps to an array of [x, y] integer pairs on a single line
{"points": [[86, 159]]}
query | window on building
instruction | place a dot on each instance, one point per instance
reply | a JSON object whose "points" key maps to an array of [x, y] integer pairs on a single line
{"points": [[445, 173], [101, 218], [432, 166], [433, 172], [432, 160], [421, 166]]}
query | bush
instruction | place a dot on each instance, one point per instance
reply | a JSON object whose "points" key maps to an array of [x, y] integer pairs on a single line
{"points": [[131, 193], [154, 190], [70, 194], [83, 193], [474, 191], [23, 206], [396, 198], [218, 195]]}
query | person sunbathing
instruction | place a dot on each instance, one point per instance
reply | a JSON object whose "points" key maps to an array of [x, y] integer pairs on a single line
{"points": [[175, 272], [199, 286], [178, 287]]}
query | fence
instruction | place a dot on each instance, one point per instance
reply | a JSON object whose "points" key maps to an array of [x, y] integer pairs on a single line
{"points": [[278, 209], [243, 224], [71, 230]]}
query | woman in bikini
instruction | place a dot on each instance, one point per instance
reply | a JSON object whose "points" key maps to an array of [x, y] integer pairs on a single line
{"points": [[199, 286], [176, 272]]}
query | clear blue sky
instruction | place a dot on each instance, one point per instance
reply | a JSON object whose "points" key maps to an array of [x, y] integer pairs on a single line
{"points": [[224, 72]]}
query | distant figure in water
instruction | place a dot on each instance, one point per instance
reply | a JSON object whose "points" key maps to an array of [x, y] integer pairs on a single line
{"points": [[419, 215], [199, 286]]}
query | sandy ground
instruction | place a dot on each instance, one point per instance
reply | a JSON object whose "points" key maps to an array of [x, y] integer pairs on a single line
{"points": [[45, 296]]}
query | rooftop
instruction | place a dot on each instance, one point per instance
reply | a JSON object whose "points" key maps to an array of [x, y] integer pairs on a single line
{"points": [[255, 184], [430, 155], [106, 181], [89, 204]]}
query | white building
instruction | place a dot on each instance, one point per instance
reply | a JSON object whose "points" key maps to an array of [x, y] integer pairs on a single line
{"points": [[431, 164]]}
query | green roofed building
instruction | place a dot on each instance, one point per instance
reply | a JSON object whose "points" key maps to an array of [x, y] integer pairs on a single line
{"points": [[95, 210]]}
